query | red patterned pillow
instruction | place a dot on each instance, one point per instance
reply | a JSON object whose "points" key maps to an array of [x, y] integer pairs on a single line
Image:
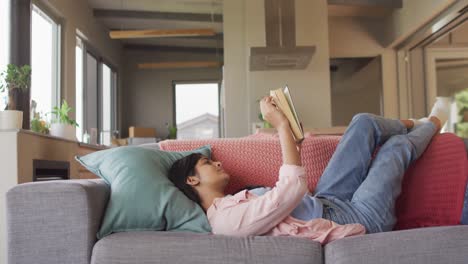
{"points": [[434, 186]]}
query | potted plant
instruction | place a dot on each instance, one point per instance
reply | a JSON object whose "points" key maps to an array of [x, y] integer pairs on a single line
{"points": [[39, 125], [15, 80], [172, 131], [62, 125]]}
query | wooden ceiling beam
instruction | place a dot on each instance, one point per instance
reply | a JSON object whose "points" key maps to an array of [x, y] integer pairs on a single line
{"points": [[217, 36], [196, 17], [161, 48], [160, 33], [180, 65], [378, 3]]}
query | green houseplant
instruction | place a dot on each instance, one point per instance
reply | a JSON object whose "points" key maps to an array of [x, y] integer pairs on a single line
{"points": [[172, 131], [62, 125], [16, 80], [38, 124], [461, 99]]}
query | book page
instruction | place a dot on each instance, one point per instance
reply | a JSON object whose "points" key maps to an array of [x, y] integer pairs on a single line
{"points": [[291, 105], [283, 104]]}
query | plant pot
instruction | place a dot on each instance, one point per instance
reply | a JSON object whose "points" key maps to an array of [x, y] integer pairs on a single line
{"points": [[63, 130], [11, 119]]}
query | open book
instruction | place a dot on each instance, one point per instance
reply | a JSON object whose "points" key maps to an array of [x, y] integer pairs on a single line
{"points": [[283, 100]]}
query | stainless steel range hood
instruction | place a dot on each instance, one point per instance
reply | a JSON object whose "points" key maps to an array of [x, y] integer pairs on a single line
{"points": [[281, 52]]}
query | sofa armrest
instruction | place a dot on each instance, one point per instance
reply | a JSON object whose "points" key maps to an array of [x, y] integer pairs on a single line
{"points": [[54, 221]]}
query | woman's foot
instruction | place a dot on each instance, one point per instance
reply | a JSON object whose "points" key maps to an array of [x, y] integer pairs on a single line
{"points": [[436, 121], [439, 114], [409, 123]]}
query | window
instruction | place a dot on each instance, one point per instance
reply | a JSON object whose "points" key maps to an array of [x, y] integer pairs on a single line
{"points": [[96, 83], [197, 110], [106, 104], [4, 51], [45, 57], [79, 89]]}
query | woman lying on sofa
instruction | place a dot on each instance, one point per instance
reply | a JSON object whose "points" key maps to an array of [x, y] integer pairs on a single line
{"points": [[355, 193]]}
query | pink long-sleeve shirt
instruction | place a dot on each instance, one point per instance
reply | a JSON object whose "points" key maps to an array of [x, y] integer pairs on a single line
{"points": [[245, 214]]}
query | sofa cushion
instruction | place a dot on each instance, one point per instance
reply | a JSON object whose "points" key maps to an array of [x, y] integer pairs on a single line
{"points": [[423, 245], [142, 197], [433, 189], [256, 160], [182, 247]]}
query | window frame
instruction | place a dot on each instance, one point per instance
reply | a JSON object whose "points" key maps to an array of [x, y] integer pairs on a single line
{"points": [[174, 107], [57, 41], [113, 101], [88, 48], [410, 58]]}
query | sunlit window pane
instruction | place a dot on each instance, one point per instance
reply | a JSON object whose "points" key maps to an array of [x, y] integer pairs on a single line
{"points": [[5, 40], [44, 53], [79, 91], [106, 104], [197, 110]]}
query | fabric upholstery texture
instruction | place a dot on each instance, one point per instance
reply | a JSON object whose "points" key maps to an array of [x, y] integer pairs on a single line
{"points": [[256, 160], [54, 221], [142, 197], [432, 245], [183, 247], [433, 189]]}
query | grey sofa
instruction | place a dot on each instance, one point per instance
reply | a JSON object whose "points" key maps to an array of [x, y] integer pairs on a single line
{"points": [[56, 222]]}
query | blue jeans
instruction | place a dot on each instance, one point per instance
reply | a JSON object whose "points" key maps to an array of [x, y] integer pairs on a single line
{"points": [[355, 188]]}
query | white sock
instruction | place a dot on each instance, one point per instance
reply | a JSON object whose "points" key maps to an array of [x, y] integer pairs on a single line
{"points": [[440, 109]]}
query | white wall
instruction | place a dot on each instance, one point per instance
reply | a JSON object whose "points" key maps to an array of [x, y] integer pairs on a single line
{"points": [[360, 37], [244, 27], [8, 179], [354, 37], [356, 88], [148, 94], [235, 99]]}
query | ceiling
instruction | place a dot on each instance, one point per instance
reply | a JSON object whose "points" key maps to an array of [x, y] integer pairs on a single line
{"points": [[197, 14]]}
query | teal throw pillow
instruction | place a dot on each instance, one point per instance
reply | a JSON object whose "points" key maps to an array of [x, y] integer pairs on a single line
{"points": [[142, 197]]}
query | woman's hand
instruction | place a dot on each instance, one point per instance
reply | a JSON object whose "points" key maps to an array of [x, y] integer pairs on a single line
{"points": [[272, 114], [276, 118]]}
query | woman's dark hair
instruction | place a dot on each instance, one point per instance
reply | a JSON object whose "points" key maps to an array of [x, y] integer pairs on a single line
{"points": [[179, 173]]}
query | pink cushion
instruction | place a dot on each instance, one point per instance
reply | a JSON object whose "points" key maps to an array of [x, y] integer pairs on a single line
{"points": [[432, 192], [255, 160], [434, 186]]}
